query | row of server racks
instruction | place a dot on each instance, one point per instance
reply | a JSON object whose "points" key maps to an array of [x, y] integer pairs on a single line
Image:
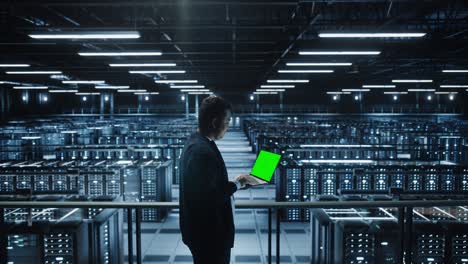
{"points": [[304, 183], [132, 180], [91, 139], [371, 159], [378, 241], [83, 159], [65, 236]]}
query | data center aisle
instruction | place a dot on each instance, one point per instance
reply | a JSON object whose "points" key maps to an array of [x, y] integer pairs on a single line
{"points": [[162, 241]]}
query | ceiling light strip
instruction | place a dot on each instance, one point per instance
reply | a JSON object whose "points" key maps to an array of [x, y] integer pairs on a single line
{"points": [[146, 93], [87, 35], [142, 65], [132, 91], [454, 86], [421, 90], [187, 86], [446, 92], [378, 86], [175, 81], [411, 81], [195, 90], [305, 71], [87, 93], [63, 91], [395, 92], [355, 90], [155, 72], [265, 92], [33, 72], [339, 52], [122, 53], [455, 71], [277, 86], [271, 90], [112, 87], [14, 65], [319, 64], [287, 81], [84, 82], [371, 35]]}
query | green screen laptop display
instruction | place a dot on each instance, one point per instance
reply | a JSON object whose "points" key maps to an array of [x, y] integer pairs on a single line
{"points": [[265, 165]]}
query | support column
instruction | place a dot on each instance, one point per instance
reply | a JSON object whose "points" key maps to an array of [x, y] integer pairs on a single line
{"points": [[186, 106], [361, 103], [281, 101], [25, 94], [8, 103], [2, 103], [101, 111], [140, 98], [257, 102], [111, 102], [417, 100], [196, 105]]}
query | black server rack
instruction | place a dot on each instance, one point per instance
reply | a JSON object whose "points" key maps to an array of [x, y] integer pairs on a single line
{"points": [[175, 153], [150, 181], [328, 181], [429, 247], [464, 180], [458, 242], [289, 188], [67, 236], [155, 186], [464, 153], [36, 179], [311, 187], [345, 236]]}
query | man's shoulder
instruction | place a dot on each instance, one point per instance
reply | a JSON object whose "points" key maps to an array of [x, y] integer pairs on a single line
{"points": [[198, 144]]}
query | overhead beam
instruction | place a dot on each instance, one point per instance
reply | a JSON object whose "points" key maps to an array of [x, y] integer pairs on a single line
{"points": [[155, 3], [190, 26]]}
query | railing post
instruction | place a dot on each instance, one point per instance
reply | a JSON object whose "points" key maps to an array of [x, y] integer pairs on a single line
{"points": [[401, 228], [138, 235], [3, 240], [130, 235], [277, 236], [269, 235], [409, 234]]}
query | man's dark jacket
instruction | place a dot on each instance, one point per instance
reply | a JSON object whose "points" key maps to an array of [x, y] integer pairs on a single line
{"points": [[206, 220]]}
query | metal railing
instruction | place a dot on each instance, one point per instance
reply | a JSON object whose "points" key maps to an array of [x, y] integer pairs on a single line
{"points": [[405, 213], [276, 109]]}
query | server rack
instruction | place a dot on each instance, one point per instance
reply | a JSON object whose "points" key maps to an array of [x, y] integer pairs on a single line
{"points": [[303, 182], [135, 180], [156, 187], [149, 182], [349, 236], [66, 237], [38, 180]]}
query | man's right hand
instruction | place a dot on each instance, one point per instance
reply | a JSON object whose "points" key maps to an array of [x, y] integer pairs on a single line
{"points": [[246, 179], [242, 179], [251, 180]]}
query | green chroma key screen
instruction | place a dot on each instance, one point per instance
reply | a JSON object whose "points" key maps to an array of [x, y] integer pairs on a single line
{"points": [[265, 165]]}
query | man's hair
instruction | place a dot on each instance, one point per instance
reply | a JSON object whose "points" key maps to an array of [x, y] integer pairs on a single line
{"points": [[212, 107]]}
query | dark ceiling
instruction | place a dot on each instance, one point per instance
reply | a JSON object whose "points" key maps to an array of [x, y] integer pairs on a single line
{"points": [[233, 47]]}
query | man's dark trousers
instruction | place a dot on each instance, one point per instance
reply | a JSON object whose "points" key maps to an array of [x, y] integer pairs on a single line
{"points": [[211, 256]]}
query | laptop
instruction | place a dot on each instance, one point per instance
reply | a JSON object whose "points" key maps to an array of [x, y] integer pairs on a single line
{"points": [[265, 166]]}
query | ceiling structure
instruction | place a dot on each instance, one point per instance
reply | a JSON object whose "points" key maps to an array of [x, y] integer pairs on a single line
{"points": [[233, 48]]}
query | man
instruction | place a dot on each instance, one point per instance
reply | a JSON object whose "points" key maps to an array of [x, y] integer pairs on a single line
{"points": [[206, 205]]}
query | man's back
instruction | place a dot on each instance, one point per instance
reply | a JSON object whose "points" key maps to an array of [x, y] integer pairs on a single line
{"points": [[206, 219]]}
